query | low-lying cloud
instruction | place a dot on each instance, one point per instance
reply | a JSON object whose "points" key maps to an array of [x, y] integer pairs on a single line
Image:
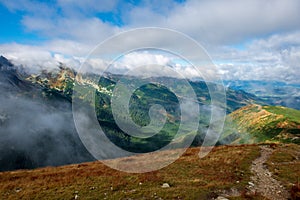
{"points": [[36, 131]]}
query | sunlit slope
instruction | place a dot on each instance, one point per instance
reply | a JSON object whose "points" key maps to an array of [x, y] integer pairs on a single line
{"points": [[255, 123]]}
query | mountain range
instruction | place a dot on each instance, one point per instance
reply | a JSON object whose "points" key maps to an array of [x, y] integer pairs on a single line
{"points": [[37, 127], [272, 92]]}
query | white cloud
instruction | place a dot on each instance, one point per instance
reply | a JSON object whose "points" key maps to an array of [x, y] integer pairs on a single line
{"points": [[270, 30], [36, 58], [223, 21], [66, 19], [274, 58], [35, 8], [88, 6], [86, 30], [146, 63], [68, 47], [218, 22], [136, 59]]}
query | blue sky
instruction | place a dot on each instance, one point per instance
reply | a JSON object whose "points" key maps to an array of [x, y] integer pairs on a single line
{"points": [[249, 39], [12, 29]]}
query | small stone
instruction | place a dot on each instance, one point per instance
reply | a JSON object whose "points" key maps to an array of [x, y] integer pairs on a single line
{"points": [[165, 185], [268, 174], [76, 196], [140, 183], [251, 184], [221, 198], [196, 180], [18, 189], [76, 192], [92, 188], [237, 181]]}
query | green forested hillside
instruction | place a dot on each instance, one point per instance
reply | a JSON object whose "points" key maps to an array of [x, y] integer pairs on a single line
{"points": [[141, 101]]}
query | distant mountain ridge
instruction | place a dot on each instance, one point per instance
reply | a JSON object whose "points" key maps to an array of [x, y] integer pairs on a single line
{"points": [[272, 92], [62, 81]]}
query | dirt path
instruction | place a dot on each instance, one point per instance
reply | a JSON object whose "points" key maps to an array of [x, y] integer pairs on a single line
{"points": [[262, 181]]}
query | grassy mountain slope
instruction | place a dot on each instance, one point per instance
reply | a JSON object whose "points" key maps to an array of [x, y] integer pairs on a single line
{"points": [[189, 178], [225, 170], [255, 123]]}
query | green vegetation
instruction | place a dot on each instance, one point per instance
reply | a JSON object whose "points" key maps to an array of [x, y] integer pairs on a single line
{"points": [[255, 123], [250, 124], [139, 105], [291, 114]]}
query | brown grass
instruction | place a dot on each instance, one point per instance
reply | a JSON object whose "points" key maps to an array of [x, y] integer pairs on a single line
{"points": [[224, 168], [284, 163], [295, 192]]}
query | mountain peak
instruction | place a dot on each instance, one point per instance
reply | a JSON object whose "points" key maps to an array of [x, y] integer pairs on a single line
{"points": [[5, 62], [10, 76]]}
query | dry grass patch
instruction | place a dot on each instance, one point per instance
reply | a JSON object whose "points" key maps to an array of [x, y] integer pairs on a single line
{"points": [[284, 163], [189, 177]]}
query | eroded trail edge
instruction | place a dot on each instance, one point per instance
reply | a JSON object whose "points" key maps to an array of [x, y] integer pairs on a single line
{"points": [[262, 181]]}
